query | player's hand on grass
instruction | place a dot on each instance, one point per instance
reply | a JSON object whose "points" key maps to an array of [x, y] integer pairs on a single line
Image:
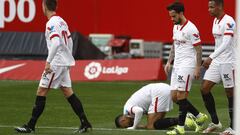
{"points": [[130, 128], [207, 62], [48, 68]]}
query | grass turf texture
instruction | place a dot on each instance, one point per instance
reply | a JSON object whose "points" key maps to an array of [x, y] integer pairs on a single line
{"points": [[102, 102]]}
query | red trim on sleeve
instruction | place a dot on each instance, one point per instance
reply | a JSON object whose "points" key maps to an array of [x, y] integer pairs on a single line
{"points": [[197, 44], [54, 35], [69, 36], [156, 105], [184, 25], [231, 34], [186, 90]]}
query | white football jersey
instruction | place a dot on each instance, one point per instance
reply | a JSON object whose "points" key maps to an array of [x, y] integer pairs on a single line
{"points": [[224, 26], [57, 27], [185, 37], [144, 98]]}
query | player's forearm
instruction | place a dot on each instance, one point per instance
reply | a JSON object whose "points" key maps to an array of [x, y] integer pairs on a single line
{"points": [[138, 115], [225, 43], [198, 55], [53, 50], [171, 55]]}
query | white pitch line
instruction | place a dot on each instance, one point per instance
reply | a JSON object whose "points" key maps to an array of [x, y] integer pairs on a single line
{"points": [[98, 129]]}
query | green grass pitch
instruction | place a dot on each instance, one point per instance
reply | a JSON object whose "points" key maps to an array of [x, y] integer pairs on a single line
{"points": [[102, 102]]}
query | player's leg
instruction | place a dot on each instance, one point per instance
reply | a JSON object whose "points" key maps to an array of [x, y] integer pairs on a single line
{"points": [[40, 101], [77, 108], [183, 107], [153, 117], [185, 77], [177, 81], [209, 103], [186, 106], [227, 75], [229, 93], [74, 101], [39, 106], [162, 124], [211, 77]]}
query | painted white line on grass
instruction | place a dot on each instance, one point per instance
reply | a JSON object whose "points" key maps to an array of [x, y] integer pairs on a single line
{"points": [[97, 129]]}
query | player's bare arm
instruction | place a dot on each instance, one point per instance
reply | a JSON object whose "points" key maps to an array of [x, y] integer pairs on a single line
{"points": [[199, 60], [170, 60], [138, 111], [207, 62], [48, 68], [52, 53]]}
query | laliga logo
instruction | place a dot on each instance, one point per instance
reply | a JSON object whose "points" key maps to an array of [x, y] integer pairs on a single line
{"points": [[94, 69], [16, 9]]}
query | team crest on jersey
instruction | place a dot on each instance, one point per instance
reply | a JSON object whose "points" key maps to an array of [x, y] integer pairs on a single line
{"points": [[230, 26], [51, 29]]}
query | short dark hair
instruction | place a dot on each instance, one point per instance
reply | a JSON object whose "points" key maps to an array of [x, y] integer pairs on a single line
{"points": [[51, 4], [117, 119], [176, 6], [218, 2]]}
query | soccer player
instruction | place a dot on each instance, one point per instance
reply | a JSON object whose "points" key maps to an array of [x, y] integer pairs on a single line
{"points": [[219, 64], [186, 52], [154, 100], [57, 68]]}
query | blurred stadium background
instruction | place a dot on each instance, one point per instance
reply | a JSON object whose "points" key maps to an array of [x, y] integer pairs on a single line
{"points": [[125, 41]]}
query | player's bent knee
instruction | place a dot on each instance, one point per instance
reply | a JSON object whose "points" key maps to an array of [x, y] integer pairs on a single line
{"points": [[42, 91], [67, 92], [204, 90]]}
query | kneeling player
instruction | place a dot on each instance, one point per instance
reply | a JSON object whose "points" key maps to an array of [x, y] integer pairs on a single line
{"points": [[154, 100]]}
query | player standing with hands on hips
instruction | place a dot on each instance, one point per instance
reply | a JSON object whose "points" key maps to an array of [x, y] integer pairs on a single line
{"points": [[57, 68], [220, 64], [186, 52]]}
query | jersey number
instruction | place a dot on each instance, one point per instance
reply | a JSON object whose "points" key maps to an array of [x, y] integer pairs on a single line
{"points": [[64, 34]]}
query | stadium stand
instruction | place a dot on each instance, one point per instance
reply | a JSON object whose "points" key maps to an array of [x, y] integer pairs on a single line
{"points": [[26, 45]]}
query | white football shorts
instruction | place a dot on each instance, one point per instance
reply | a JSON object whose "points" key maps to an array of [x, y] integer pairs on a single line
{"points": [[181, 78], [221, 72], [60, 77], [161, 103]]}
